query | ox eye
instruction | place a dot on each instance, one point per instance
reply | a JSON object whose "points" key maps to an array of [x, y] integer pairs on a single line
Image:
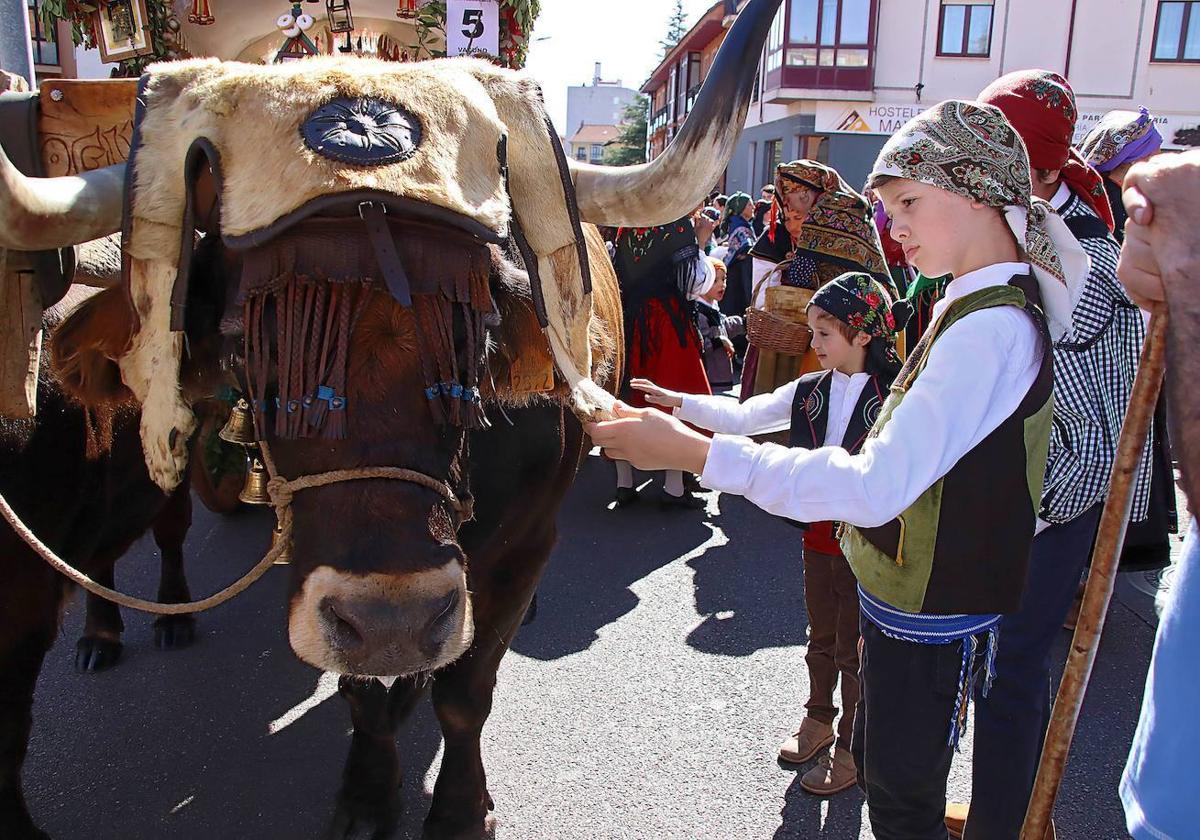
{"points": [[305, 22], [285, 21]]}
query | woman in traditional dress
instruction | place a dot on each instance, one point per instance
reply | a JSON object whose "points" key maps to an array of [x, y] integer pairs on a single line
{"points": [[739, 211], [658, 269], [1119, 140], [830, 230]]}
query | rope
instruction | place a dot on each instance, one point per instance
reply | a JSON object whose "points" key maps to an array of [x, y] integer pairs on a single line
{"points": [[281, 491]]}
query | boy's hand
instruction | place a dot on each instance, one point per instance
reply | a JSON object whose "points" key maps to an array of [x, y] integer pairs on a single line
{"points": [[650, 440], [728, 345], [656, 395]]}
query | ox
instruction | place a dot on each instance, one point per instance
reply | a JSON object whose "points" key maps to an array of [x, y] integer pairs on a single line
{"points": [[378, 246]]}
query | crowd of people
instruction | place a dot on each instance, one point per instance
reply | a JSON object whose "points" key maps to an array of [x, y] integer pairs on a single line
{"points": [[944, 433]]}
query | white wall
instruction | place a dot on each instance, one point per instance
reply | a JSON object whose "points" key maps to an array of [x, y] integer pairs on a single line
{"points": [[89, 66]]}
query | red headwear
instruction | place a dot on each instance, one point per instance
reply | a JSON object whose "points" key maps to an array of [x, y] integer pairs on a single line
{"points": [[1041, 107]]}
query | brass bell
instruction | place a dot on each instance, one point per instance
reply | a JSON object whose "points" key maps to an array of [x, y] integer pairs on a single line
{"points": [[255, 490], [285, 556], [239, 428]]}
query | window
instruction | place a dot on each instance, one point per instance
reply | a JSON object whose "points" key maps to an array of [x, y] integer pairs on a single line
{"points": [[580, 153], [1177, 32], [45, 46], [772, 156], [597, 151], [966, 28], [829, 33]]}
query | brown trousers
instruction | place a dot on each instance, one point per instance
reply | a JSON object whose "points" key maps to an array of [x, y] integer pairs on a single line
{"points": [[831, 597]]}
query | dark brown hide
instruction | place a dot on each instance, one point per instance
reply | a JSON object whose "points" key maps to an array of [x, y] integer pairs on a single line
{"points": [[89, 511]]}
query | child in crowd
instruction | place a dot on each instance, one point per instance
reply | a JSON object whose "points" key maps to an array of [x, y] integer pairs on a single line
{"points": [[716, 328], [939, 506], [854, 336]]}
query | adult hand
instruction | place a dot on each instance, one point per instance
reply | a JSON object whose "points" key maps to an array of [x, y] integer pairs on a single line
{"points": [[650, 440], [704, 229], [656, 395], [1160, 196]]}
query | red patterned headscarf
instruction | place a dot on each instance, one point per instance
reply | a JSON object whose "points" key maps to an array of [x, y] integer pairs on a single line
{"points": [[1041, 107]]}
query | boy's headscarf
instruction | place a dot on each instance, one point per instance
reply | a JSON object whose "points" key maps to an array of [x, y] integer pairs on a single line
{"points": [[1041, 107], [863, 303], [971, 150], [1120, 137]]}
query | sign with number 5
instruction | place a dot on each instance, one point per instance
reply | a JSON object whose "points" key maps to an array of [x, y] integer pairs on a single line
{"points": [[472, 25]]}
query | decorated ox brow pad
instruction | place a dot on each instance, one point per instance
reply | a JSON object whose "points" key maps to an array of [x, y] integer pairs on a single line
{"points": [[362, 131]]}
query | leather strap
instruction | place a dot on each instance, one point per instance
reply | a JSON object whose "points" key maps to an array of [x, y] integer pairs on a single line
{"points": [[564, 174], [375, 217]]}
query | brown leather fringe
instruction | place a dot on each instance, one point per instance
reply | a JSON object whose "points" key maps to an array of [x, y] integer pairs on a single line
{"points": [[314, 281]]}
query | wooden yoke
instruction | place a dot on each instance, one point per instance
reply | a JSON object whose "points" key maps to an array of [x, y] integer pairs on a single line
{"points": [[72, 126]]}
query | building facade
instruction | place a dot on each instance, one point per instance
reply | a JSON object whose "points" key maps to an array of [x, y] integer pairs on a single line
{"points": [[600, 103], [587, 144], [838, 77], [673, 85]]}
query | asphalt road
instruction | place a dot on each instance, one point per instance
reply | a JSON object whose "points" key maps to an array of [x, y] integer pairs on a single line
{"points": [[646, 701]]}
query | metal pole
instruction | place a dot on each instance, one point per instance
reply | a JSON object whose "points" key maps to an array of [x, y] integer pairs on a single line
{"points": [[1101, 579], [16, 46]]}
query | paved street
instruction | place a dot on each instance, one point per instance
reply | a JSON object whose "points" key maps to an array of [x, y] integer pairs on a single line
{"points": [[646, 701]]}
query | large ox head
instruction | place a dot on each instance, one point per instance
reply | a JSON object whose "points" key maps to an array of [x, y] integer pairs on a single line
{"points": [[343, 226]]}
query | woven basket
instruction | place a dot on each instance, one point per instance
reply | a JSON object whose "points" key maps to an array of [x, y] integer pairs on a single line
{"points": [[781, 326]]}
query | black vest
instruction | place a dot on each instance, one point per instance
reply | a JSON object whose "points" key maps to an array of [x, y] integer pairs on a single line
{"points": [[810, 412]]}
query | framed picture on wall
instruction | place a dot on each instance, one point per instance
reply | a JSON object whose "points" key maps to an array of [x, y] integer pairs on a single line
{"points": [[122, 30]]}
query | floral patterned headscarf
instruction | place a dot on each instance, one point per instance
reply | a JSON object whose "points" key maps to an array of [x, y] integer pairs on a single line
{"points": [[1119, 137], [863, 303], [972, 150], [840, 227]]}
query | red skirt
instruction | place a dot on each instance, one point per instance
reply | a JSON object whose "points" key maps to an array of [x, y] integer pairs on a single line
{"points": [[674, 366]]}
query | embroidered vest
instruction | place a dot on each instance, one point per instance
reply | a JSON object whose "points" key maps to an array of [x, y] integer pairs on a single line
{"points": [[810, 419], [963, 546]]}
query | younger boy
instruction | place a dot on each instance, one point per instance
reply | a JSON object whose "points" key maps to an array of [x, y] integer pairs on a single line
{"points": [[854, 336]]}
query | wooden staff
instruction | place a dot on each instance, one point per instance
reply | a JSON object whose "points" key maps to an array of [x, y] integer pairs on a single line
{"points": [[1109, 541]]}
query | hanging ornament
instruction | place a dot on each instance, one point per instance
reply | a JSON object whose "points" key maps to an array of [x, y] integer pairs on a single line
{"points": [[295, 25], [201, 14], [341, 21], [408, 9]]}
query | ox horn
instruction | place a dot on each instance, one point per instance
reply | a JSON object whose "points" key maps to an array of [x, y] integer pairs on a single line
{"points": [[38, 214], [672, 185]]}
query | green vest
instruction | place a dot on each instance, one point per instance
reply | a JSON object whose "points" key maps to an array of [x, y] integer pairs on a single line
{"points": [[963, 545]]}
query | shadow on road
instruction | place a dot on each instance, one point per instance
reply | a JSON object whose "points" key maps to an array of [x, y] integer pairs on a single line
{"points": [[586, 585], [802, 817], [751, 589]]}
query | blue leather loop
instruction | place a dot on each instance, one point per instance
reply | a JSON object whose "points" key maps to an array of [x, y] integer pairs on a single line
{"points": [[362, 131]]}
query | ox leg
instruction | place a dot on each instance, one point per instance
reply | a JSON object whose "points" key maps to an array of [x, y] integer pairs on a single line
{"points": [[100, 646], [30, 618], [462, 698], [369, 804], [172, 632]]}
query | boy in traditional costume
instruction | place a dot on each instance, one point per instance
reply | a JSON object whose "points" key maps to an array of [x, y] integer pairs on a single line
{"points": [[854, 337], [1094, 367], [940, 505]]}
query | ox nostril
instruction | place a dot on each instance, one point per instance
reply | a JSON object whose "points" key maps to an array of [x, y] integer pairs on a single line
{"points": [[341, 626], [445, 609]]}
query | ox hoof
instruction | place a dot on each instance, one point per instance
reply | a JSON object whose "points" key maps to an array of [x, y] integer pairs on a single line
{"points": [[95, 653], [352, 822], [174, 632], [484, 831]]}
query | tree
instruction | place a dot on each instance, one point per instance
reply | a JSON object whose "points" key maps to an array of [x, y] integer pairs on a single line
{"points": [[676, 29], [630, 146]]}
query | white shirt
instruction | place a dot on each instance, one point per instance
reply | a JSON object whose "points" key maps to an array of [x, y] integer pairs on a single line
{"points": [[977, 374], [773, 412], [1061, 196]]}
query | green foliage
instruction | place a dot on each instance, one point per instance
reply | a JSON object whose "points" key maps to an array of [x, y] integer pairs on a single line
{"points": [[630, 146], [676, 29]]}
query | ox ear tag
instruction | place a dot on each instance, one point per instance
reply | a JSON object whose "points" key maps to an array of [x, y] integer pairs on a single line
{"points": [[363, 131], [532, 372]]}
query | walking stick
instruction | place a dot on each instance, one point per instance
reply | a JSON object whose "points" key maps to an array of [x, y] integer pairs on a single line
{"points": [[1101, 579]]}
